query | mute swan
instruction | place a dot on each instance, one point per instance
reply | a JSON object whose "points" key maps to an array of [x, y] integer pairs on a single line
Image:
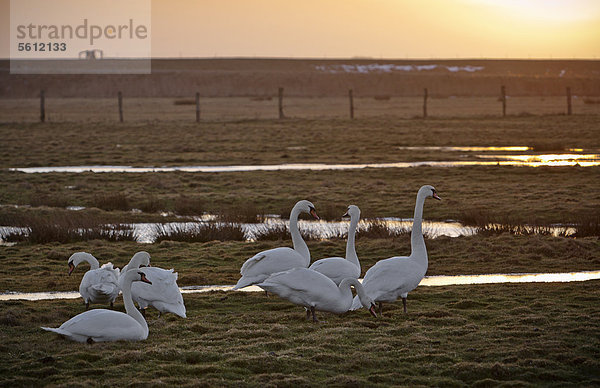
{"points": [[101, 325], [338, 268], [315, 291], [163, 294], [98, 285], [397, 276], [263, 264]]}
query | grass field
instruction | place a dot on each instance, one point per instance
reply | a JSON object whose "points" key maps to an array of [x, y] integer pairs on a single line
{"points": [[515, 335]]}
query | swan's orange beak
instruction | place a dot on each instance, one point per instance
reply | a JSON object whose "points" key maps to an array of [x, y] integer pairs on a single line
{"points": [[71, 268], [372, 311], [314, 214], [346, 215], [143, 278], [436, 197]]}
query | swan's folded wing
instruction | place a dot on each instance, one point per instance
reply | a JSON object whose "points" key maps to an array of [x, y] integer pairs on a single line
{"points": [[251, 262], [283, 283]]}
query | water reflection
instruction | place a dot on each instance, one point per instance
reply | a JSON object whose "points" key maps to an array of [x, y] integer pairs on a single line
{"points": [[503, 160], [468, 148], [431, 281]]}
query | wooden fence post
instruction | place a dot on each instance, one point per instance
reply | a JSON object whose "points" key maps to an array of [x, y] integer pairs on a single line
{"points": [[42, 106], [351, 97], [197, 107], [281, 116], [425, 96], [569, 109], [503, 98], [120, 98]]}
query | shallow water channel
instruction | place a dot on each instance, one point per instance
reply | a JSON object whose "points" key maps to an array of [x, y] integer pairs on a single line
{"points": [[428, 281]]}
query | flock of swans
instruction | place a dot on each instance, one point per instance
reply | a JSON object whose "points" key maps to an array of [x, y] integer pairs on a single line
{"points": [[326, 285]]}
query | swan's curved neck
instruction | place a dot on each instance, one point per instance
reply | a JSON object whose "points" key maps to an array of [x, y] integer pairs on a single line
{"points": [[130, 307], [351, 255], [299, 244], [417, 243], [94, 264], [346, 291]]}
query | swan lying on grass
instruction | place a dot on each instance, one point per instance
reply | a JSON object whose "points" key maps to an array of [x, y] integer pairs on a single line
{"points": [[315, 291], [100, 325], [395, 277], [338, 268], [98, 285], [163, 294], [263, 264]]}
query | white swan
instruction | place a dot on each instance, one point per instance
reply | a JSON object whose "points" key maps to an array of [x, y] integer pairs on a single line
{"points": [[395, 277], [98, 285], [315, 291], [338, 268], [101, 325], [163, 294], [263, 264]]}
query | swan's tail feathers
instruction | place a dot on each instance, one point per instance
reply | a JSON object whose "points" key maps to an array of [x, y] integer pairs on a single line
{"points": [[356, 304], [57, 330], [104, 288]]}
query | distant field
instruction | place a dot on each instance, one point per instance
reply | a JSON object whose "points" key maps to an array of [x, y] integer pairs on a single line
{"points": [[320, 78], [151, 110]]}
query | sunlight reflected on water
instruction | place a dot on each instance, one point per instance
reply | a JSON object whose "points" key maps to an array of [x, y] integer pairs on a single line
{"points": [[433, 281]]}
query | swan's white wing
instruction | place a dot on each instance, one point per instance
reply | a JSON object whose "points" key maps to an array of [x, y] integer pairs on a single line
{"points": [[103, 325], [336, 268], [390, 278], [163, 293], [263, 264], [302, 286]]}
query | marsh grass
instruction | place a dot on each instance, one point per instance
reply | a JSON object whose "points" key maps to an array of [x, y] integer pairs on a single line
{"points": [[588, 225], [280, 232], [112, 201], [237, 213], [200, 232], [485, 335], [376, 229], [67, 228], [189, 205]]}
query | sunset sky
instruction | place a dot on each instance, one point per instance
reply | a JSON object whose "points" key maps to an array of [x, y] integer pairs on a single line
{"points": [[370, 28]]}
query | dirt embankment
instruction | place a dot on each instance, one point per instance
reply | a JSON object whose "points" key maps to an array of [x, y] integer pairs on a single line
{"points": [[318, 78]]}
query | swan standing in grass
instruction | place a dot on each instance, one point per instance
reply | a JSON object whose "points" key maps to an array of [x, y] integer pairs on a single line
{"points": [[338, 268], [100, 325], [395, 277], [263, 264], [98, 285], [163, 294], [315, 291]]}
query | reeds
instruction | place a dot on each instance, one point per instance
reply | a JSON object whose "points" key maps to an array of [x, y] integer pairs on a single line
{"points": [[66, 228], [116, 201], [248, 214], [199, 232], [189, 205]]}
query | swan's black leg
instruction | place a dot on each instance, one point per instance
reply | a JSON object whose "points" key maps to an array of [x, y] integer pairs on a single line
{"points": [[90, 340], [87, 305], [112, 304], [267, 294], [307, 314], [159, 313], [143, 311], [404, 304], [380, 308], [312, 310]]}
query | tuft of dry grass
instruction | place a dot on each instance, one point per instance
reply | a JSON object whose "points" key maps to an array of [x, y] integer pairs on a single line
{"points": [[200, 232], [112, 201]]}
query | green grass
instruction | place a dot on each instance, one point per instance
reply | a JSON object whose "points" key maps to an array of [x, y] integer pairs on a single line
{"points": [[488, 335], [40, 267]]}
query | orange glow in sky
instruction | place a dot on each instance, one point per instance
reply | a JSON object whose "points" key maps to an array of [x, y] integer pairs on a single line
{"points": [[371, 28]]}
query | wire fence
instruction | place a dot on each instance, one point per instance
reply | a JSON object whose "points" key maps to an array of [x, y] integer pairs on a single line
{"points": [[136, 109]]}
